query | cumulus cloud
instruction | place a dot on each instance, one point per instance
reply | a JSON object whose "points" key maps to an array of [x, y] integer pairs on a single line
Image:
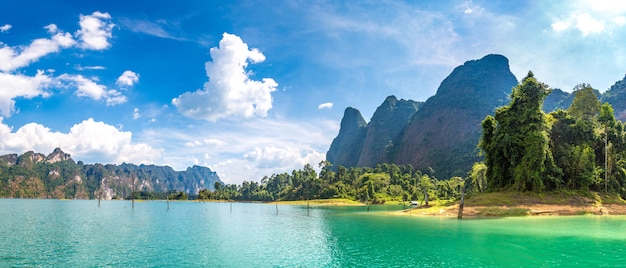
{"points": [[89, 140], [5, 28], [136, 114], [326, 105], [93, 34], [90, 89], [229, 91], [95, 31], [127, 79], [17, 85]]}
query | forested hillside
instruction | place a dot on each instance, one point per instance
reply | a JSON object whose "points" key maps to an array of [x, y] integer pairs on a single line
{"points": [[34, 175]]}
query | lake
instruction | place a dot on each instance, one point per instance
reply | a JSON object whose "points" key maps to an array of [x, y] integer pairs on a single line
{"points": [[78, 233]]}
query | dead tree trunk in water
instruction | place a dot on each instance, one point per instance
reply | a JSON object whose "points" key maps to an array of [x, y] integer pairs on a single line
{"points": [[462, 203]]}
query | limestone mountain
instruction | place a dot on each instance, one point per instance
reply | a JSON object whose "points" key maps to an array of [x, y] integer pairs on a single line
{"points": [[365, 144], [444, 133], [441, 133], [557, 99], [616, 96], [383, 130], [346, 147], [33, 175]]}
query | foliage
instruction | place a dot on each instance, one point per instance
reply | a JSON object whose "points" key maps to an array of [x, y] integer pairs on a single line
{"points": [[31, 176], [581, 148], [515, 141], [380, 184]]}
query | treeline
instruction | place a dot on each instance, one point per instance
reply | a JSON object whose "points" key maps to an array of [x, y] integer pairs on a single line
{"points": [[581, 148], [385, 182]]}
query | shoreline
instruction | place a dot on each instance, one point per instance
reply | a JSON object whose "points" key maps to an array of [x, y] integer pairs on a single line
{"points": [[514, 210]]}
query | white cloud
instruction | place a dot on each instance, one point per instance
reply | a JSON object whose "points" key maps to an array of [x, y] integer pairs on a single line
{"points": [[12, 58], [136, 114], [52, 28], [79, 67], [18, 85], [229, 91], [89, 140], [5, 28], [282, 157], [326, 105], [209, 142], [90, 89], [95, 30], [150, 28], [620, 20], [586, 24], [127, 79], [246, 150], [560, 26]]}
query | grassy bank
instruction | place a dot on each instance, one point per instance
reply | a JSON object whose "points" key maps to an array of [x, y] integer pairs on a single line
{"points": [[508, 203]]}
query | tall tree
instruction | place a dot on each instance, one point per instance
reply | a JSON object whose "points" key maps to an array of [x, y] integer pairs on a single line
{"points": [[585, 105], [517, 153]]}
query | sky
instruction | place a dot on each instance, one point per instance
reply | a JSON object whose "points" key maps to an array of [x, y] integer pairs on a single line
{"points": [[254, 88]]}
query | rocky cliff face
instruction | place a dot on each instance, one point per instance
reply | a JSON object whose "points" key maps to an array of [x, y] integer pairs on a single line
{"points": [[384, 129], [346, 147], [57, 156], [33, 175], [441, 133]]}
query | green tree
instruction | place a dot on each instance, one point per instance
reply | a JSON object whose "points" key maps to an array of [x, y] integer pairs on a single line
{"points": [[516, 149], [585, 105], [478, 177]]}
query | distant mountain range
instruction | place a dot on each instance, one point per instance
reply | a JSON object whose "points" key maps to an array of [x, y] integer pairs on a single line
{"points": [[34, 175], [442, 133]]}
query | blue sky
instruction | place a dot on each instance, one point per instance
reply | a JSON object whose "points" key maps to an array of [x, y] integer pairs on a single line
{"points": [[251, 88]]}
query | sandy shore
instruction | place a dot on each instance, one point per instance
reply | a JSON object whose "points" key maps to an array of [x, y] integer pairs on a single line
{"points": [[518, 210]]}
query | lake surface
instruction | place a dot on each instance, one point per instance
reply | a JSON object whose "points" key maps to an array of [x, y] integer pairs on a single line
{"points": [[78, 233]]}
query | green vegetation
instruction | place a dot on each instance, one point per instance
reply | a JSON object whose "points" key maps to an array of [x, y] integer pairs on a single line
{"points": [[31, 175], [383, 183], [581, 148]]}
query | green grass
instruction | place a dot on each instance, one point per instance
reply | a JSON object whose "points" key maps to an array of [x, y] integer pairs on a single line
{"points": [[560, 197]]}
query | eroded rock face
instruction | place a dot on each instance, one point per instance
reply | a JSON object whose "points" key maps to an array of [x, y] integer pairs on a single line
{"points": [[346, 148], [8, 159], [58, 156]]}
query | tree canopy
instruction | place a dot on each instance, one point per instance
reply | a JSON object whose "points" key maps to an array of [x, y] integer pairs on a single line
{"points": [[578, 148]]}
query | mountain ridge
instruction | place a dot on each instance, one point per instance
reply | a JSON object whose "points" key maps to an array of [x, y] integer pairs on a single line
{"points": [[57, 175], [443, 133]]}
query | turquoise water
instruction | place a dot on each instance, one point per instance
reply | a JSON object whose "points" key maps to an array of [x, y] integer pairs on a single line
{"points": [[77, 233]]}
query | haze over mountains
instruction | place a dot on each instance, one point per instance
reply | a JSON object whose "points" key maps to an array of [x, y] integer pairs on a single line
{"points": [[442, 133]]}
